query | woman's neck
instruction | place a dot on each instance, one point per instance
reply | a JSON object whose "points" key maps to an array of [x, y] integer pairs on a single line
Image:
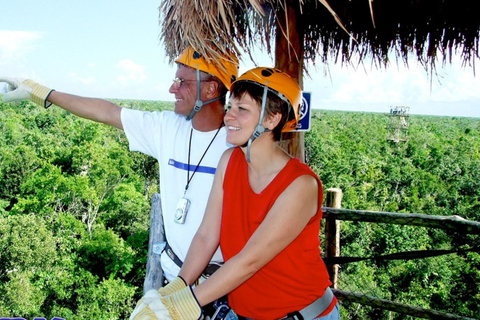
{"points": [[266, 156], [266, 161]]}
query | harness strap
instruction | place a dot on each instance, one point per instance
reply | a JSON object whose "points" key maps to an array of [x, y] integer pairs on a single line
{"points": [[199, 103], [311, 311], [172, 255], [314, 309], [209, 270]]}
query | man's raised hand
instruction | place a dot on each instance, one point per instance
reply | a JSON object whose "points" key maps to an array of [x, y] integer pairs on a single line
{"points": [[19, 89]]}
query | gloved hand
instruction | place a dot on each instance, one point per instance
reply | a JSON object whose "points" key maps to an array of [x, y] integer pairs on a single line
{"points": [[182, 305], [25, 89], [176, 285], [150, 307], [144, 304]]}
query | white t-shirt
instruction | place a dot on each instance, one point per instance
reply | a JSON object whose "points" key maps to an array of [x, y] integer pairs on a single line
{"points": [[165, 136]]}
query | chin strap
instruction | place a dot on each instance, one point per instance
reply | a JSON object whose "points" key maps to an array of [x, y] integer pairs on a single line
{"points": [[199, 103], [260, 128]]}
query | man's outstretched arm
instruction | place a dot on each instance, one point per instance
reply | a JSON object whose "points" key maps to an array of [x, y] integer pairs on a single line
{"points": [[89, 108]]}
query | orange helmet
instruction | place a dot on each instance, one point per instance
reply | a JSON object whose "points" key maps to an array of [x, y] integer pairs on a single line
{"points": [[281, 84], [226, 71]]}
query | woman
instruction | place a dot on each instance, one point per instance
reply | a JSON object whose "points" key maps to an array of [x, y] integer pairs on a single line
{"points": [[264, 211]]}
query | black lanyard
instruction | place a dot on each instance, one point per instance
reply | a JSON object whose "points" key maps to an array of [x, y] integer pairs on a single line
{"points": [[204, 153]]}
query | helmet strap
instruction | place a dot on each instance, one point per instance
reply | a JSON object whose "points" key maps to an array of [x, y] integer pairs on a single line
{"points": [[199, 103], [260, 128]]}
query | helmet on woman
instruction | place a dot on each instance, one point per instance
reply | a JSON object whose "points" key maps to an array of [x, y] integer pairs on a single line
{"points": [[282, 85]]}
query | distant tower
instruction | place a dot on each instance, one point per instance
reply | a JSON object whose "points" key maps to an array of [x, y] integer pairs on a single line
{"points": [[397, 128]]}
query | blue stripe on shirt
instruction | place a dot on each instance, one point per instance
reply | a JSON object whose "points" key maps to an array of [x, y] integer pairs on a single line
{"points": [[184, 166]]}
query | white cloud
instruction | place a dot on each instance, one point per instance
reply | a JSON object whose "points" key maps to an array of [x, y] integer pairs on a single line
{"points": [[377, 86], [159, 91], [377, 89], [456, 84], [131, 72], [83, 80], [16, 44]]}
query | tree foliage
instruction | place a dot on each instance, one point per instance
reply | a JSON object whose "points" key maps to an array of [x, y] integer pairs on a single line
{"points": [[434, 172], [75, 205], [74, 215]]}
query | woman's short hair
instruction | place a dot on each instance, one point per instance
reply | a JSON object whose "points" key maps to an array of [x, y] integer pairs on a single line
{"points": [[273, 105]]}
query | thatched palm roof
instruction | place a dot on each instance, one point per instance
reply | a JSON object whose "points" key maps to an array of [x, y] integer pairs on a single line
{"points": [[431, 30]]}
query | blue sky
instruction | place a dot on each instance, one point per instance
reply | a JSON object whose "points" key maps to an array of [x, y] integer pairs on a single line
{"points": [[111, 49]]}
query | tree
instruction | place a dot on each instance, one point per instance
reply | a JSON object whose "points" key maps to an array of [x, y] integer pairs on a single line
{"points": [[27, 252]]}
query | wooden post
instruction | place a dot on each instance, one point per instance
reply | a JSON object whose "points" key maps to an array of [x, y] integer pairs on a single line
{"points": [[156, 243], [289, 57], [332, 233]]}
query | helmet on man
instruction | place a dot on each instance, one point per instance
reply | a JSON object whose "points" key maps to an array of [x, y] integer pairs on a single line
{"points": [[226, 70]]}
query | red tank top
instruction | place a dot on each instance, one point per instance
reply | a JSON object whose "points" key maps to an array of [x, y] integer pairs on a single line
{"points": [[296, 276]]}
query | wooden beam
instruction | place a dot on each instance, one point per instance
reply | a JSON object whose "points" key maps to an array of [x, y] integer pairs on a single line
{"points": [[156, 243], [400, 308], [289, 57], [332, 234], [452, 223]]}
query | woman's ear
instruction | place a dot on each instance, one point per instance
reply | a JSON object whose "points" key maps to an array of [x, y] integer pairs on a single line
{"points": [[272, 121]]}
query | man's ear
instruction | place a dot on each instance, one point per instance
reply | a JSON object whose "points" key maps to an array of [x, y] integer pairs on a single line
{"points": [[272, 121], [211, 89]]}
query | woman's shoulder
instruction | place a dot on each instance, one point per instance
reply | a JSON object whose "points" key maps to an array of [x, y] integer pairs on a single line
{"points": [[302, 173], [228, 153], [301, 168], [225, 158]]}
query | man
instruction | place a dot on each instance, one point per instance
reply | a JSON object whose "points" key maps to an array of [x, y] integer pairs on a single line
{"points": [[187, 142]]}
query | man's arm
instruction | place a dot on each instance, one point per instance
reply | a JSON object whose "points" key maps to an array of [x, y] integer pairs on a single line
{"points": [[90, 108]]}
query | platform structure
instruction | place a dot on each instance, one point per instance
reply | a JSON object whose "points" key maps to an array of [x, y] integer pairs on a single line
{"points": [[397, 127]]}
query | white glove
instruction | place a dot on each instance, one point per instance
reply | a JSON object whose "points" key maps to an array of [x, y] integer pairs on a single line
{"points": [[25, 89], [150, 307], [181, 305]]}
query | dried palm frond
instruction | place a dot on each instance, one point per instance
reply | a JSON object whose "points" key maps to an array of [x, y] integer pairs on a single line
{"points": [[206, 25], [215, 27], [430, 29]]}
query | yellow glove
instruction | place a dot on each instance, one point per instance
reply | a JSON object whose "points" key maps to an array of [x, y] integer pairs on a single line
{"points": [[150, 307], [176, 285], [21, 89], [182, 305], [144, 309]]}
